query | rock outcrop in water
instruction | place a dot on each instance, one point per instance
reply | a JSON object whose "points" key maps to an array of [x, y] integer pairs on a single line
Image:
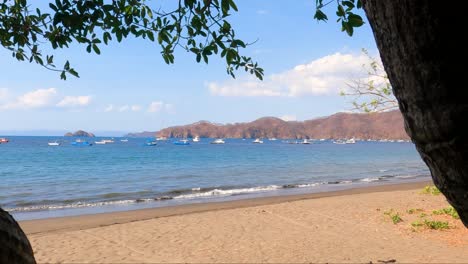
{"points": [[79, 133], [387, 125]]}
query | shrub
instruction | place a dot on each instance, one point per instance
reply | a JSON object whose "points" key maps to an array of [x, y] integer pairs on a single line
{"points": [[437, 225], [430, 189], [447, 211], [394, 216]]}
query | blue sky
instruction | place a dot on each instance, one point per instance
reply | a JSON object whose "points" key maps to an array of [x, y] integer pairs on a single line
{"points": [[129, 87]]}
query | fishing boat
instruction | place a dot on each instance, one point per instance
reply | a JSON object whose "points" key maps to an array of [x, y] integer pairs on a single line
{"points": [[351, 141], [305, 141], [4, 140], [257, 141], [196, 139], [101, 142], [161, 138], [182, 142], [108, 141], [151, 143], [55, 143], [80, 143], [124, 140], [339, 142], [218, 141]]}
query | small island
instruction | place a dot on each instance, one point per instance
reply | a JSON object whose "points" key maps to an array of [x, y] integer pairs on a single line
{"points": [[79, 133]]}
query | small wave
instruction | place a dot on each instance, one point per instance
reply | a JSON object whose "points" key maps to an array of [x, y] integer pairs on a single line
{"points": [[228, 192], [67, 206], [370, 179]]}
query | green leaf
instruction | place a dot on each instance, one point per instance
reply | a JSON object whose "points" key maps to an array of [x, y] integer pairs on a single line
{"points": [[340, 12], [319, 15], [96, 49], [74, 73], [355, 20]]}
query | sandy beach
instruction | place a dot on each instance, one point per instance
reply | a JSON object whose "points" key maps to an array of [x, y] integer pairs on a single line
{"points": [[344, 226]]}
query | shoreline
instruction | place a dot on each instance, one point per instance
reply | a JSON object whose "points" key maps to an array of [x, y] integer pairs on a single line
{"points": [[87, 221]]}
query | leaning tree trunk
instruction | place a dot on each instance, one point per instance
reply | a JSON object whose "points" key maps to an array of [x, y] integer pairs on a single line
{"points": [[14, 245], [420, 53]]}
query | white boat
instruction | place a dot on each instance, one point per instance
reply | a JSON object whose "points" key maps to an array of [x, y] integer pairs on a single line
{"points": [[351, 141], [196, 139], [101, 142], [339, 141], [108, 141], [272, 139], [257, 141], [161, 138], [218, 141], [305, 141], [55, 143], [124, 140]]}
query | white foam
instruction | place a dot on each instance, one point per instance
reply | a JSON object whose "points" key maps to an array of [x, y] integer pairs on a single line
{"points": [[371, 179], [308, 185], [68, 206], [218, 192]]}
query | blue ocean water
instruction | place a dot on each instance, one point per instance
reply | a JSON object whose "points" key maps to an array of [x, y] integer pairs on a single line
{"points": [[37, 180]]}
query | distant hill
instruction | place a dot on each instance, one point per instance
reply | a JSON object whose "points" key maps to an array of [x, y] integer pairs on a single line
{"points": [[79, 133], [141, 134], [387, 125]]}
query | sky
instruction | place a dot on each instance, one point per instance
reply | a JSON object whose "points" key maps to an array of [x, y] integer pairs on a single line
{"points": [[129, 88]]}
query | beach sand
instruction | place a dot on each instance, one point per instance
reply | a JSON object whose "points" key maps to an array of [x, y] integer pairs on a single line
{"points": [[344, 226]]}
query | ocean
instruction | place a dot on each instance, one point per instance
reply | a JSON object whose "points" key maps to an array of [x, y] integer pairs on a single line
{"points": [[41, 181]]}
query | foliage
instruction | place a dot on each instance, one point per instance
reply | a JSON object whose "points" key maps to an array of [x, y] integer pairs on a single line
{"points": [[374, 93], [417, 223], [414, 210], [197, 26], [430, 189], [437, 225], [394, 216], [345, 12], [448, 211]]}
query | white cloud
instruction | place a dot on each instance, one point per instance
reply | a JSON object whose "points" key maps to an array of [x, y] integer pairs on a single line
{"points": [[3, 93], [288, 117], [109, 108], [136, 108], [155, 106], [323, 76], [74, 101], [124, 108], [159, 106], [35, 99], [262, 12]]}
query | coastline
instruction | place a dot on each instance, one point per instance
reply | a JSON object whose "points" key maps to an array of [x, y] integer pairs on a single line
{"points": [[87, 221], [351, 226]]}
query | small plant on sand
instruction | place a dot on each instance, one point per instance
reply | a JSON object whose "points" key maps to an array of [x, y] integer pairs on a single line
{"points": [[447, 211], [417, 223], [394, 216], [422, 215], [414, 210], [430, 189], [437, 225]]}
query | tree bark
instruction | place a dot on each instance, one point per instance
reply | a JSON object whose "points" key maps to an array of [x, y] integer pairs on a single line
{"points": [[14, 245], [420, 55]]}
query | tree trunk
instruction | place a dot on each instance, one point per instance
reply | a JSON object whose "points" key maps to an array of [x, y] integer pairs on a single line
{"points": [[14, 245], [420, 54]]}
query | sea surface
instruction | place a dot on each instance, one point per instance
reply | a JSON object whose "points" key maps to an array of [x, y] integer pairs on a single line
{"points": [[41, 181]]}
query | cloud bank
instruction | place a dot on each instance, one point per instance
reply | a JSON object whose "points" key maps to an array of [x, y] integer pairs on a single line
{"points": [[324, 76]]}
